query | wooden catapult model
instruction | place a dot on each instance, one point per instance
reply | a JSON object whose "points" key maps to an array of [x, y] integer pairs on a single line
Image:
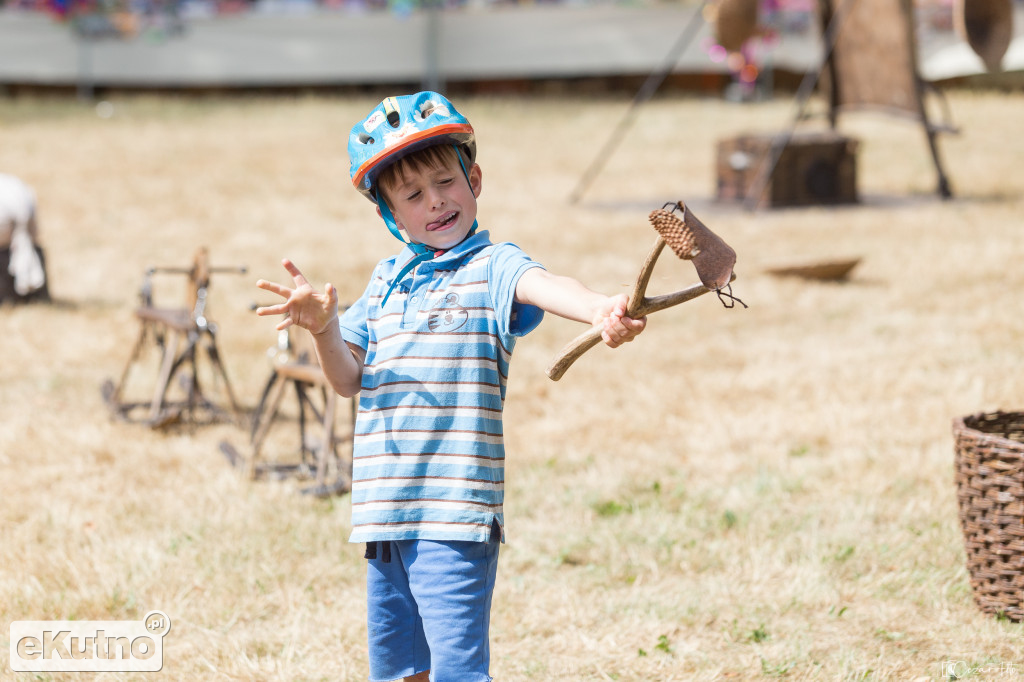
{"points": [[178, 334], [295, 370], [870, 63]]}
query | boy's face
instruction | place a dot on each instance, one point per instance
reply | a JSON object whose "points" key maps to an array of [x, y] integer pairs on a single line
{"points": [[435, 206]]}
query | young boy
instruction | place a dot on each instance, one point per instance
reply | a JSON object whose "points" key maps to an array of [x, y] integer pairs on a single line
{"points": [[427, 346]]}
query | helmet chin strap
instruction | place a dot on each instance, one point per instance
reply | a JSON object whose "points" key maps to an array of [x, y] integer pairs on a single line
{"points": [[422, 251]]}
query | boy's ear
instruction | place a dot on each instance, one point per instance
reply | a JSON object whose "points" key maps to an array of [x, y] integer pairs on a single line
{"points": [[476, 179], [398, 223]]}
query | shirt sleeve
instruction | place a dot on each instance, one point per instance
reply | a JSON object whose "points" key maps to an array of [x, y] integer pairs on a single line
{"points": [[353, 321], [508, 263]]}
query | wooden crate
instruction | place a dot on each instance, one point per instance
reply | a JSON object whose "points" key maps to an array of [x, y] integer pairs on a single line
{"points": [[813, 168]]}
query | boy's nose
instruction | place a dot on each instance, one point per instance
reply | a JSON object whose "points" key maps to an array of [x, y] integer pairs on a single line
{"points": [[436, 198]]}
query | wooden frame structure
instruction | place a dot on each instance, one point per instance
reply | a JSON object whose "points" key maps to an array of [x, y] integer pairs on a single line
{"points": [[178, 333], [316, 410], [870, 62]]}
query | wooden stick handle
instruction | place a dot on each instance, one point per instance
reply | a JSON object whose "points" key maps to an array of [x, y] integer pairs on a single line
{"points": [[656, 303], [588, 339], [572, 352], [639, 293]]}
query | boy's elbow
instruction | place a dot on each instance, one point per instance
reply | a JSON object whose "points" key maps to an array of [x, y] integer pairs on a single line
{"points": [[343, 371], [347, 392], [345, 388]]}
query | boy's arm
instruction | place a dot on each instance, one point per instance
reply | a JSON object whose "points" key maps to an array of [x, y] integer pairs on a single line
{"points": [[568, 298], [342, 363]]}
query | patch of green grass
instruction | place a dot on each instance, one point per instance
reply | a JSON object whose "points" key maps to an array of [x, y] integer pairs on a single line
{"points": [[799, 450], [843, 553], [769, 669], [663, 645], [758, 634], [608, 508], [887, 635]]}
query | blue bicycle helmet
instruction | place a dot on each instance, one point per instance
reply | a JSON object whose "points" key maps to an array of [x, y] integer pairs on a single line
{"points": [[395, 128], [399, 126]]}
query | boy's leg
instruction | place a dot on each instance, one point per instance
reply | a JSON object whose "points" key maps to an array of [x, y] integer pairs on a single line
{"points": [[397, 646], [452, 583]]}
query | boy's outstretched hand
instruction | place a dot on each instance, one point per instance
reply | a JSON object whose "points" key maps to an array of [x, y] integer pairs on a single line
{"points": [[303, 306], [566, 297], [618, 328]]}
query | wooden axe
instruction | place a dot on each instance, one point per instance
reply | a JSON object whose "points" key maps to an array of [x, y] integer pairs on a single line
{"points": [[691, 240]]}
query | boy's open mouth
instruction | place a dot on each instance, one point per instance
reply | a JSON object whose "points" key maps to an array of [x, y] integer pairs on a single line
{"points": [[444, 222]]}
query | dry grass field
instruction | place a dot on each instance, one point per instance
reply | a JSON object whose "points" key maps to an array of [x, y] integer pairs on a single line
{"points": [[739, 494]]}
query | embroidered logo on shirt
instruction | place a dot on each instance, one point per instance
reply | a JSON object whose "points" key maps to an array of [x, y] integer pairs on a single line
{"points": [[448, 316]]}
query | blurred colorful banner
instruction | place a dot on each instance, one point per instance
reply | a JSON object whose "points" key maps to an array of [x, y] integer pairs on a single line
{"points": [[119, 19]]}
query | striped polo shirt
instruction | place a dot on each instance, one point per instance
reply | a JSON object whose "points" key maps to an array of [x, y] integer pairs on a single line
{"points": [[429, 456]]}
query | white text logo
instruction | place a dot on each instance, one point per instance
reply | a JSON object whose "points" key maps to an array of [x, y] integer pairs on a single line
{"points": [[89, 645]]}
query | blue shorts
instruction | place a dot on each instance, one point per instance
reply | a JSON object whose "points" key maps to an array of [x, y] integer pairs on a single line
{"points": [[429, 607]]}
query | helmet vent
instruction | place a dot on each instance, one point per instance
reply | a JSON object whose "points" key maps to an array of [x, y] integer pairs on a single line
{"points": [[391, 112], [365, 139]]}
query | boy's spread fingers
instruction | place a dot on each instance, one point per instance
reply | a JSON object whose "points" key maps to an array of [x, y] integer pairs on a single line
{"points": [[296, 274], [272, 309], [274, 288]]}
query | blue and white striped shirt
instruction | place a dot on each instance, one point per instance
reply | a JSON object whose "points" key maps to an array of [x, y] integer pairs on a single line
{"points": [[429, 459]]}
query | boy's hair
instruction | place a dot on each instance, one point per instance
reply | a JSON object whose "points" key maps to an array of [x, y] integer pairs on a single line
{"points": [[428, 158]]}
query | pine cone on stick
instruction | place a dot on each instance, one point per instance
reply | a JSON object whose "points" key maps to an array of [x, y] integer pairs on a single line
{"points": [[675, 233]]}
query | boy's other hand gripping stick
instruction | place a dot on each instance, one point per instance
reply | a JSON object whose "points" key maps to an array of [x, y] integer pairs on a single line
{"points": [[690, 240]]}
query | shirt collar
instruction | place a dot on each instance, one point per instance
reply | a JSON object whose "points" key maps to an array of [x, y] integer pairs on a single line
{"points": [[466, 247]]}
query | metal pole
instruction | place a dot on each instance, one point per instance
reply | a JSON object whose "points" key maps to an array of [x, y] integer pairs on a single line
{"points": [[832, 21], [432, 78], [647, 90], [85, 85]]}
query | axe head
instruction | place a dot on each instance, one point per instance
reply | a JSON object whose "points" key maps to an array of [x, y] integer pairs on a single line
{"points": [[691, 239]]}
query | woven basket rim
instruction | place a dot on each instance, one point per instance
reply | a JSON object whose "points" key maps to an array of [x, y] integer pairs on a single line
{"points": [[960, 427], [989, 478]]}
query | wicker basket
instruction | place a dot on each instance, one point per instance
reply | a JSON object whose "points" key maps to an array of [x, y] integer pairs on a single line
{"points": [[990, 489]]}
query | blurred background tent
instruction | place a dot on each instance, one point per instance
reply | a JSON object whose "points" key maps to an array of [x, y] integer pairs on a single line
{"points": [[870, 61], [879, 54], [507, 45]]}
